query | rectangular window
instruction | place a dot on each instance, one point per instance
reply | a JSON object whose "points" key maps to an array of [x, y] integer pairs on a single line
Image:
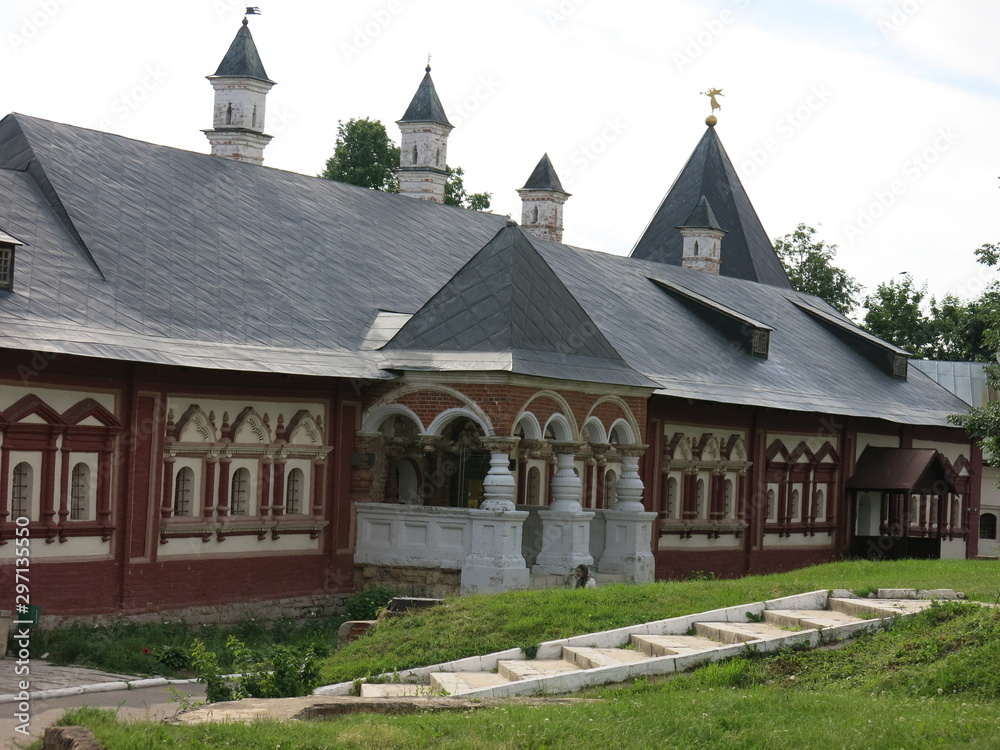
{"points": [[6, 268]]}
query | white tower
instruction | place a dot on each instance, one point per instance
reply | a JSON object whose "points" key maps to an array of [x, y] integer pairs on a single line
{"points": [[241, 86], [542, 199], [702, 250], [423, 149]]}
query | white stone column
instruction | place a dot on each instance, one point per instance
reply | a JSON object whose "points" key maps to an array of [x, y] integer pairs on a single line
{"points": [[496, 563], [629, 530], [565, 525]]}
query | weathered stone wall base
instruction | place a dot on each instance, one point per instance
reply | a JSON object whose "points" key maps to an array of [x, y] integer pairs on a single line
{"points": [[292, 608], [409, 581]]}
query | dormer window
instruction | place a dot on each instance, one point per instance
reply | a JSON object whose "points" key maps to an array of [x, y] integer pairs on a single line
{"points": [[6, 268], [7, 245]]}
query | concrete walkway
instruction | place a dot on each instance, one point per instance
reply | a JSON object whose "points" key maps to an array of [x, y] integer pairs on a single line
{"points": [[54, 689]]}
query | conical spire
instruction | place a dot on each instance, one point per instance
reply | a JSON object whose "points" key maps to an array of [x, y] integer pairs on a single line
{"points": [[425, 105], [544, 177], [242, 60], [710, 174]]}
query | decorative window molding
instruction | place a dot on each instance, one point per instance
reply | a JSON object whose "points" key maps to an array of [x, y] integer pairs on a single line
{"points": [[21, 491], [239, 498], [184, 492], [294, 488], [79, 507]]}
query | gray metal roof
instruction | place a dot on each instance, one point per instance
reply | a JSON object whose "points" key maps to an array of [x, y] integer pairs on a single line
{"points": [[151, 254], [508, 299], [702, 216], [193, 254], [242, 59], [967, 380], [425, 105], [747, 252], [544, 177]]}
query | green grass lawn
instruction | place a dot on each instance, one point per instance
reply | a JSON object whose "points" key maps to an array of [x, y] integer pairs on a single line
{"points": [[928, 682]]}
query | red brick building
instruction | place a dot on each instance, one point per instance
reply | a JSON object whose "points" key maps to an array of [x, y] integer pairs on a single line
{"points": [[222, 383]]}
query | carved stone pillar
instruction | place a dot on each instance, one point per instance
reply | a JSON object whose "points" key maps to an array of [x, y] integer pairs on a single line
{"points": [[499, 485], [565, 525], [629, 528]]}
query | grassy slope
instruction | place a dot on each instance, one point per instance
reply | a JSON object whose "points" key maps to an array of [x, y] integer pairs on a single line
{"points": [[482, 624], [927, 684]]}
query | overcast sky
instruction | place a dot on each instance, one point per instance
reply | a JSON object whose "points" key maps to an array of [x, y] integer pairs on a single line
{"points": [[874, 121]]}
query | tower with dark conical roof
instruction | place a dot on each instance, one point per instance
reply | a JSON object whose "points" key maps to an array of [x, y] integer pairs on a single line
{"points": [[423, 149], [709, 174], [241, 86], [542, 199], [702, 239]]}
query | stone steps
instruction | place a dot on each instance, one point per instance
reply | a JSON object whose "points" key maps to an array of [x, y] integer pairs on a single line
{"points": [[655, 648]]}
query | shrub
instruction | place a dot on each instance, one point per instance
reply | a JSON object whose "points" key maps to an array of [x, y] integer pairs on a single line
{"points": [[285, 673], [365, 605]]}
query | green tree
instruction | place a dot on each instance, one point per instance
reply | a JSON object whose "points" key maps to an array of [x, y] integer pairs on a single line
{"points": [[364, 155], [455, 195], [809, 265], [895, 315]]}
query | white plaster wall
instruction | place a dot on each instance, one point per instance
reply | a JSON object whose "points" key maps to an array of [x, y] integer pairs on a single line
{"points": [[822, 539], [950, 450], [59, 399], [194, 546], [953, 549], [812, 440], [699, 542], [75, 547], [876, 441]]}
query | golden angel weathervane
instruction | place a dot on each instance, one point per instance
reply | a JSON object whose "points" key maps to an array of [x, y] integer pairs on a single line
{"points": [[712, 94]]}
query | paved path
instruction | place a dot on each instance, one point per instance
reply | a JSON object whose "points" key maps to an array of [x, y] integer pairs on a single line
{"points": [[87, 687]]}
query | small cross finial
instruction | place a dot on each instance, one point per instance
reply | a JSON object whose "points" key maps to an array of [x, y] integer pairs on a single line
{"points": [[428, 68]]}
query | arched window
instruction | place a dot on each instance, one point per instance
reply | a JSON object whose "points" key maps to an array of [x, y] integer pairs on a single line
{"points": [[20, 492], [610, 489], [183, 491], [229, 114], [819, 505], [727, 508], [696, 247], [239, 502], [793, 511], [437, 157], [79, 493], [534, 486], [701, 499], [293, 492], [987, 526], [254, 121], [413, 157], [534, 215], [772, 506], [671, 497]]}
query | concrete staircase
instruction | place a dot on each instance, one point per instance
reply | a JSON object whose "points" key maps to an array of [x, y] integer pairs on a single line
{"points": [[656, 648]]}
